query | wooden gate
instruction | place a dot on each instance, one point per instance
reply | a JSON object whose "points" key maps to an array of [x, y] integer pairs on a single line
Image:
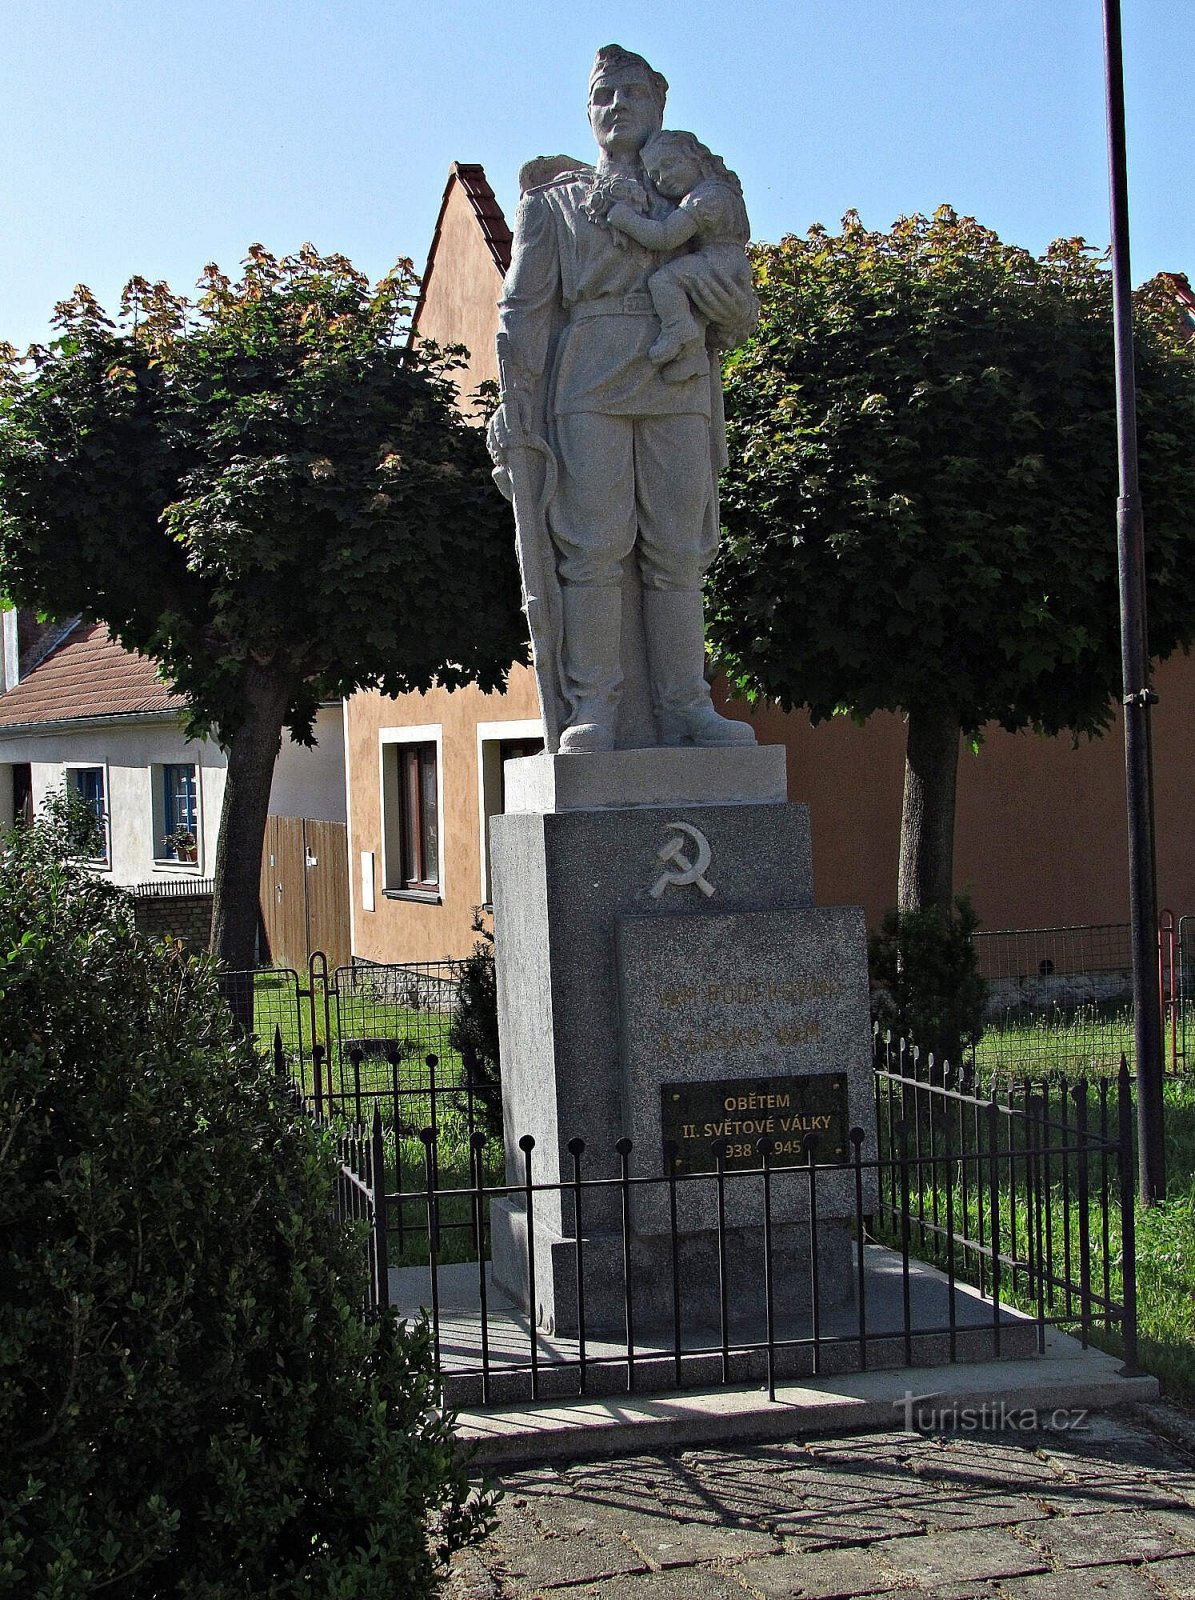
{"points": [[305, 891]]}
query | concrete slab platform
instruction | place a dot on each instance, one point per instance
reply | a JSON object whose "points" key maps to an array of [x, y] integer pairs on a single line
{"points": [[946, 1323], [1025, 1395]]}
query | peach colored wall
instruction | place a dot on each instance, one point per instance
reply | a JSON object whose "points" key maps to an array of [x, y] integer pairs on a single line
{"points": [[1040, 834], [409, 930], [460, 304]]}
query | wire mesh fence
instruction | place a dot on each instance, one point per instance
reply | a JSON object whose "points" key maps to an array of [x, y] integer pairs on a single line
{"points": [[1060, 1000], [367, 1009]]}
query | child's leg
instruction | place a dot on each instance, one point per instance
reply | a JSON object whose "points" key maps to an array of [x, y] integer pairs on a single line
{"points": [[680, 332]]}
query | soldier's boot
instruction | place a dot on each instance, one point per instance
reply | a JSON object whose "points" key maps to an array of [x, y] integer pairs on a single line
{"points": [[592, 666], [673, 620]]}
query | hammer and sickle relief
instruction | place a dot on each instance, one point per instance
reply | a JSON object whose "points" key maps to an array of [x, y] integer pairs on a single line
{"points": [[678, 868]]}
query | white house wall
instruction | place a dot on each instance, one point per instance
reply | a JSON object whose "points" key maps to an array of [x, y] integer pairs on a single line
{"points": [[307, 783], [310, 783], [128, 752]]}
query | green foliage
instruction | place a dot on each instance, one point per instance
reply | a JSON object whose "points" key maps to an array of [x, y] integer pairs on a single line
{"points": [[269, 476], [273, 495], [926, 984], [191, 1403], [474, 1027], [920, 503]]}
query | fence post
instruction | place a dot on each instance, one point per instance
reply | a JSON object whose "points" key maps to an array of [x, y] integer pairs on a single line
{"points": [[1128, 1223], [526, 1145], [902, 1146], [670, 1158], [1036, 1112], [856, 1140], [427, 1135], [377, 1181], [719, 1149], [993, 1132], [623, 1150], [1079, 1095], [477, 1157], [317, 1067], [764, 1147], [1167, 995], [312, 974], [576, 1149], [809, 1148]]}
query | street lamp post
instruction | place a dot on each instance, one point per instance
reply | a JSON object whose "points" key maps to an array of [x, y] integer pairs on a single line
{"points": [[1134, 649]]}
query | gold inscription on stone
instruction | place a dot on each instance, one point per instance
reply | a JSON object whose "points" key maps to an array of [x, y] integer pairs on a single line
{"points": [[699, 1119]]}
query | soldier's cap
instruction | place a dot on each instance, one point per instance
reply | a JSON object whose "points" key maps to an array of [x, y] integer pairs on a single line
{"points": [[612, 57]]}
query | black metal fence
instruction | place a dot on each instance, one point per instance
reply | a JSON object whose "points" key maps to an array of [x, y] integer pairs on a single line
{"points": [[366, 1006], [958, 1227]]}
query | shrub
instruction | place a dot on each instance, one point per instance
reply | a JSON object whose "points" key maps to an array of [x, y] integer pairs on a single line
{"points": [[474, 1027], [925, 977], [191, 1402]]}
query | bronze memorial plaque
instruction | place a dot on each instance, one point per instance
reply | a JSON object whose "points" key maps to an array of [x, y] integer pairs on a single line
{"points": [[741, 1111]]}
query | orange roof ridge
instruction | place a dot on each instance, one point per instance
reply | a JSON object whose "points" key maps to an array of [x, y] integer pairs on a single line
{"points": [[490, 219], [489, 213]]}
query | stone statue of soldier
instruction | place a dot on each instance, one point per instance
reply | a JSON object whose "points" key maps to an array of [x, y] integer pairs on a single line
{"points": [[612, 456]]}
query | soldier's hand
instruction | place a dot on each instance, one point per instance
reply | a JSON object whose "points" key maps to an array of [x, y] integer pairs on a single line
{"points": [[509, 425], [732, 309], [497, 437]]}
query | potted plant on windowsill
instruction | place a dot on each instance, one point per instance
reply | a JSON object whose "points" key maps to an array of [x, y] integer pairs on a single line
{"points": [[182, 846]]}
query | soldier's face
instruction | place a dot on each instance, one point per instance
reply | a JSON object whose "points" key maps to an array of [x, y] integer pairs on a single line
{"points": [[624, 112]]}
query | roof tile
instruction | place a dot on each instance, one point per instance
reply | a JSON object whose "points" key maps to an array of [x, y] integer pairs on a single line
{"points": [[87, 675]]}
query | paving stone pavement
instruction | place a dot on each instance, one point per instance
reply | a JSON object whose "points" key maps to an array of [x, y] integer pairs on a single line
{"points": [[1105, 1511]]}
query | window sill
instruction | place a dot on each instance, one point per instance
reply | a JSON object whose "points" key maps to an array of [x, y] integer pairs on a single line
{"points": [[184, 869], [427, 897]]}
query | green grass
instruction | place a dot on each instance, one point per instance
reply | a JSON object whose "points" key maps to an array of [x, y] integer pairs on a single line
{"points": [[1078, 1041], [1165, 1251], [1166, 1256], [1088, 1041]]}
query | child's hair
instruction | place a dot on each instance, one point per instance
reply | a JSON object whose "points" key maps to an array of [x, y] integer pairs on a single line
{"points": [[712, 166]]}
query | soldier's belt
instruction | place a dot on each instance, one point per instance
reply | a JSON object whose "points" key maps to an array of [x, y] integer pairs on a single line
{"points": [[613, 305]]}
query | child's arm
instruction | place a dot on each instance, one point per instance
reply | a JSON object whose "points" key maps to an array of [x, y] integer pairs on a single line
{"points": [[668, 234]]}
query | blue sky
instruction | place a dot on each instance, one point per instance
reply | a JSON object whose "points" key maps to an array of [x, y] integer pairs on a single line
{"points": [[151, 136]]}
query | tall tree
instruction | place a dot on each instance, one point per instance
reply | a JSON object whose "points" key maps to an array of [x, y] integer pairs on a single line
{"points": [[920, 504], [270, 493]]}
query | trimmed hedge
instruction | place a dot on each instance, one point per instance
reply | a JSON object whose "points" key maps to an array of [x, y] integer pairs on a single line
{"points": [[190, 1401]]}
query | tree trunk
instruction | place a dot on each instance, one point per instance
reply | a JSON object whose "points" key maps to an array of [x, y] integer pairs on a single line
{"points": [[252, 753], [926, 873]]}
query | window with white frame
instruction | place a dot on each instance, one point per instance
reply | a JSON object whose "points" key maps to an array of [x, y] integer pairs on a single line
{"points": [[498, 743], [411, 806], [176, 812], [90, 784]]}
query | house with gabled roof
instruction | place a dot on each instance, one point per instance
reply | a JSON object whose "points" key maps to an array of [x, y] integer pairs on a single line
{"points": [[1040, 832], [78, 709]]}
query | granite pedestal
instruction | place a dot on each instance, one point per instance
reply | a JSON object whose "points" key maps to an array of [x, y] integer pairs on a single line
{"points": [[664, 976]]}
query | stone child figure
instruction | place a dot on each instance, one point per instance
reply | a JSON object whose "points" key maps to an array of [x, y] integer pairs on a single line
{"points": [[711, 213], [611, 462]]}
